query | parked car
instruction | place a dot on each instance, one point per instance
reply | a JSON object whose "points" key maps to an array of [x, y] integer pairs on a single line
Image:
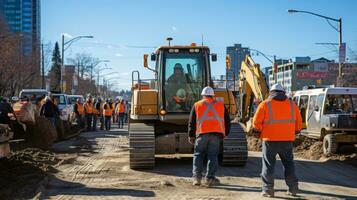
{"points": [[34, 94], [64, 107]]}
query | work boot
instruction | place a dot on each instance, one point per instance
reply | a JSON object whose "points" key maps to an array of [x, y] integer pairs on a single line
{"points": [[196, 181], [291, 193], [212, 182], [268, 194]]}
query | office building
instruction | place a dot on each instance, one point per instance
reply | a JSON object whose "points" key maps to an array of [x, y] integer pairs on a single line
{"points": [[237, 54], [23, 17]]}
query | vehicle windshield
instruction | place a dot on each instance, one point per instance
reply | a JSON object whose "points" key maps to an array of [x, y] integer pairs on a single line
{"points": [[183, 79], [59, 99], [73, 100], [340, 104], [34, 97]]}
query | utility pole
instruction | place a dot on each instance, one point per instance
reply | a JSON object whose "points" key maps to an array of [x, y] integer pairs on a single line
{"points": [[62, 63], [43, 68]]}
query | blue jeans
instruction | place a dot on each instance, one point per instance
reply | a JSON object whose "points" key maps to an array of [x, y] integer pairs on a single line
{"points": [[206, 145], [121, 120], [107, 121], [285, 152], [52, 120]]}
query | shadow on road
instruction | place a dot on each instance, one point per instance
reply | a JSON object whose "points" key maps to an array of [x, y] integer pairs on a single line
{"points": [[60, 187]]}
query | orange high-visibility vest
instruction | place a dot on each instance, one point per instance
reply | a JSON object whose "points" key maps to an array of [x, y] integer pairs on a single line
{"points": [[88, 108], [277, 120], [210, 116], [121, 108], [95, 111], [107, 111], [80, 108]]}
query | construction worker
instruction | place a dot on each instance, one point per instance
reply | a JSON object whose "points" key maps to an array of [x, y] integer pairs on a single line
{"points": [[209, 124], [50, 110], [180, 100], [127, 111], [95, 114], [120, 110], [79, 111], [107, 112], [5, 110], [88, 112], [276, 122], [99, 107]]}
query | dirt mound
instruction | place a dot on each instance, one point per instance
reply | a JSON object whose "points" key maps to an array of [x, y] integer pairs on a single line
{"points": [[42, 134], [22, 174]]}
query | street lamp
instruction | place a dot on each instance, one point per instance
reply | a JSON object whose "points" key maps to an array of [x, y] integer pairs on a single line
{"points": [[68, 43], [98, 74], [338, 29]]}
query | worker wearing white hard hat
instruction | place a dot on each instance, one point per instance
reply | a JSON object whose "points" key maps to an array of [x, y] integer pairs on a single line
{"points": [[276, 122], [209, 124]]}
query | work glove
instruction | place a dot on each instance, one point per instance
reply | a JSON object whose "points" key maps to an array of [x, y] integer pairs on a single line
{"points": [[191, 140]]}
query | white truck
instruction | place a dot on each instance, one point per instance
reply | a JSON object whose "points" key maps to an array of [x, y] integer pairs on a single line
{"points": [[329, 114], [64, 107]]}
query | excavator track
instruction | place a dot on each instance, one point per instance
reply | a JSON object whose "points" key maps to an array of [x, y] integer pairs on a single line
{"points": [[235, 149], [141, 145]]}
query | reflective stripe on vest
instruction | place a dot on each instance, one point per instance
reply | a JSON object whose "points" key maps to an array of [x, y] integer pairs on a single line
{"points": [[281, 121], [209, 107]]}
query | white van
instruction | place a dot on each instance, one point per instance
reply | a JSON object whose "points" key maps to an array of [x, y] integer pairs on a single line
{"points": [[329, 114]]}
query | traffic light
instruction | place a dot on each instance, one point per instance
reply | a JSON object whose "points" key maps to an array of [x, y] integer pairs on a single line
{"points": [[228, 61], [146, 60], [275, 68], [318, 81]]}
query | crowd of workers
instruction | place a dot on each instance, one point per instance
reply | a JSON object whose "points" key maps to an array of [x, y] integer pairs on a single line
{"points": [[106, 111]]}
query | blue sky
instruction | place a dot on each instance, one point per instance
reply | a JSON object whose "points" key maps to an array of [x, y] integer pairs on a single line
{"points": [[118, 25]]}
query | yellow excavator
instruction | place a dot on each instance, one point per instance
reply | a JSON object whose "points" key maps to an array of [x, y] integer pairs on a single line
{"points": [[160, 107]]}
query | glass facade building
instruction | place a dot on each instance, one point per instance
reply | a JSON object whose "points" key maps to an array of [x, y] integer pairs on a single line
{"points": [[237, 54], [23, 16]]}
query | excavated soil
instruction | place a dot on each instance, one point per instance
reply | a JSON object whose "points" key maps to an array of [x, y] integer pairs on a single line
{"points": [[23, 173]]}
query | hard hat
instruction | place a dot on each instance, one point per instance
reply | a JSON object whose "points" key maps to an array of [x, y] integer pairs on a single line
{"points": [[277, 87], [15, 98], [47, 98], [181, 93], [207, 91]]}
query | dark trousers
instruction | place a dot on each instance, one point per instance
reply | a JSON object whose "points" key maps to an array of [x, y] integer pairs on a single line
{"points": [[121, 120], [101, 119], [95, 119], [108, 122], [89, 118], [285, 152]]}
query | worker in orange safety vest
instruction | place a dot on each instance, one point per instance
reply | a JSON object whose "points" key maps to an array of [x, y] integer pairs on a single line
{"points": [[276, 122], [88, 112], [120, 112], [209, 124], [79, 111], [107, 112]]}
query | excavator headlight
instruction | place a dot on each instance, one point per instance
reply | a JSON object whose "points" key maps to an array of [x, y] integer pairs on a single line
{"points": [[163, 111]]}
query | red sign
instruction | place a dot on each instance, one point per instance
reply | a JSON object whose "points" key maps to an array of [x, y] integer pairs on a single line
{"points": [[311, 74]]}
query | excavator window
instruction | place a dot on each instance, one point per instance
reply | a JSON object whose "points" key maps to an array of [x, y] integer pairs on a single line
{"points": [[183, 80]]}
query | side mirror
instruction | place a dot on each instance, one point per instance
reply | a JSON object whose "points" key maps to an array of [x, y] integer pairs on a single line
{"points": [[146, 60], [316, 108], [214, 57], [153, 57], [228, 62]]}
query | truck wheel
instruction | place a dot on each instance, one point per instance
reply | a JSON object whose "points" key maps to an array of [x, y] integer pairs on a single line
{"points": [[330, 144]]}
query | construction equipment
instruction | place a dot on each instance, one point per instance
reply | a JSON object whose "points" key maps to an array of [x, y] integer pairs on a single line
{"points": [[330, 115], [253, 89], [160, 107]]}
